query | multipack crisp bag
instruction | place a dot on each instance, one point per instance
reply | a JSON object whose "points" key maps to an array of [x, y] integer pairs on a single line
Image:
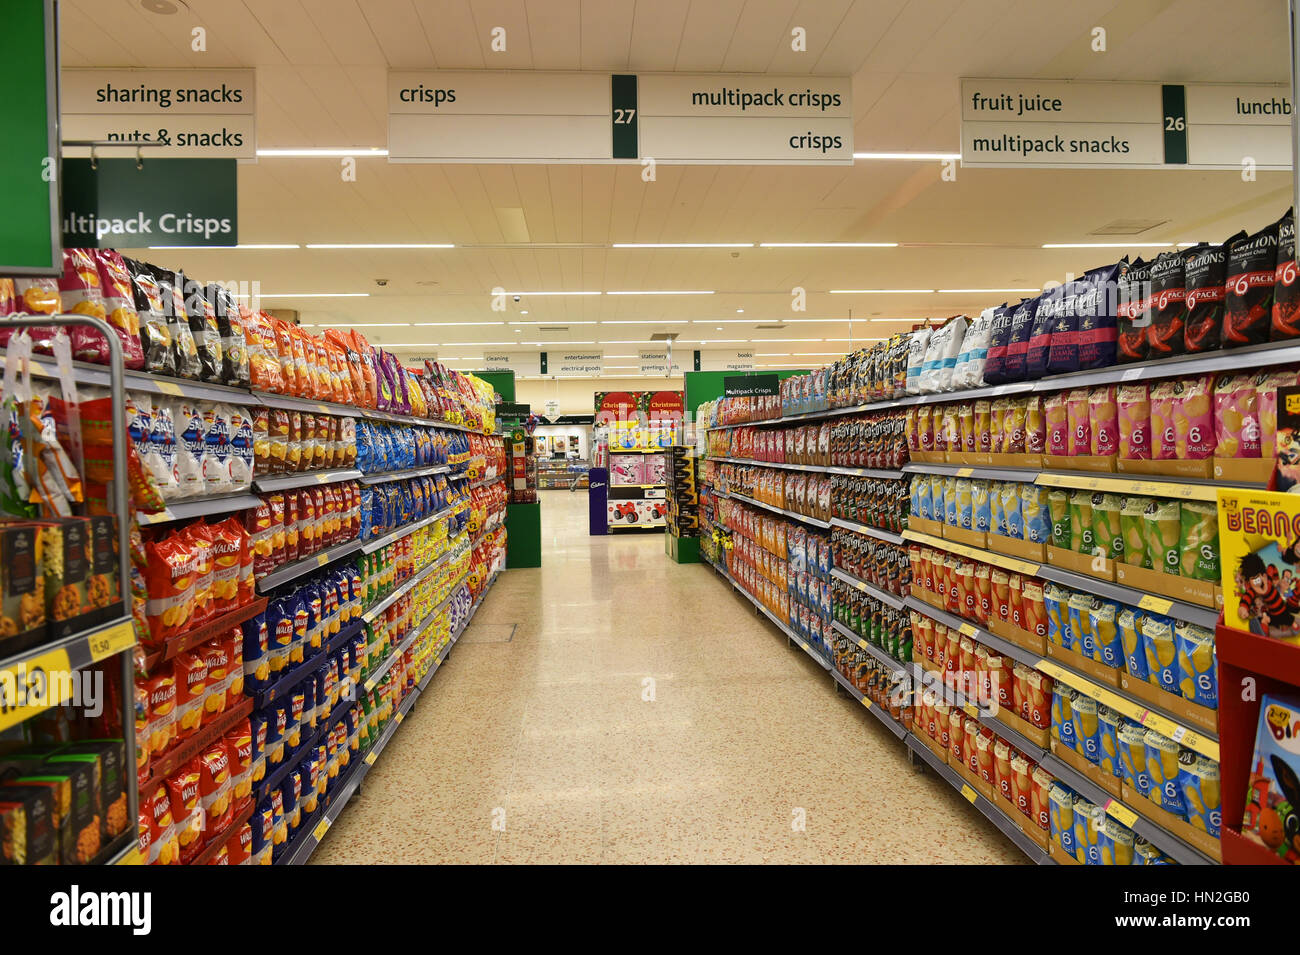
{"points": [[1022, 328], [1194, 433], [1078, 415], [1199, 522], [1165, 335], [1095, 305], [1133, 528], [1236, 417], [969, 372], [1205, 275], [1050, 305], [1103, 417], [917, 343], [1133, 409], [995, 364], [1164, 532], [1286, 290], [1163, 406], [1133, 292], [1248, 303], [1056, 424]]}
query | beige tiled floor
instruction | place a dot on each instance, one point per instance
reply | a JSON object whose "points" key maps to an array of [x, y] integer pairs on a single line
{"points": [[542, 749]]}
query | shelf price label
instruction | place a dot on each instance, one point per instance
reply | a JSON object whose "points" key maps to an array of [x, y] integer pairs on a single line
{"points": [[322, 827], [370, 759], [114, 640], [969, 793], [866, 702], [170, 388], [1155, 604], [1121, 813]]}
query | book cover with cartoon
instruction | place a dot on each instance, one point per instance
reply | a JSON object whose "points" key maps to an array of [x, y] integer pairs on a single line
{"points": [[1259, 538], [1272, 817]]}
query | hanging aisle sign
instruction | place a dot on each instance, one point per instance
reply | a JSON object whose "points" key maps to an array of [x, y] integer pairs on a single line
{"points": [[745, 118], [520, 362], [1067, 124], [160, 202], [482, 116], [196, 114], [574, 362], [655, 361], [716, 118], [736, 360]]}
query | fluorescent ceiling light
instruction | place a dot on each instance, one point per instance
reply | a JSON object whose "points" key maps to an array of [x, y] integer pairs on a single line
{"points": [[620, 356], [407, 344], [616, 367], [363, 325], [881, 291], [380, 245], [645, 321], [523, 311], [309, 295], [667, 292], [723, 341], [566, 322], [1107, 245], [683, 245], [561, 344], [452, 324], [982, 291], [817, 354], [475, 344], [226, 248], [828, 245], [326, 151], [908, 157], [630, 341], [550, 293]]}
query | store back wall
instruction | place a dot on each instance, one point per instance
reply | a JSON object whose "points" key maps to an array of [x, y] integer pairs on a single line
{"points": [[577, 395]]}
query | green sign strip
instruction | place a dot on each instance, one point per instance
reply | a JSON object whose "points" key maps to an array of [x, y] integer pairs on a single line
{"points": [[623, 115], [1173, 100], [118, 202], [29, 227]]}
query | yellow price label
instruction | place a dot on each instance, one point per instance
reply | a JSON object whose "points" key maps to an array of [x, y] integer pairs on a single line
{"points": [[164, 515], [1155, 604], [370, 759], [964, 472], [968, 629], [323, 409], [170, 388], [866, 702], [862, 644], [1121, 813], [399, 717], [971, 710], [33, 686], [322, 559], [322, 478], [133, 857], [969, 793], [113, 640], [322, 827], [370, 685]]}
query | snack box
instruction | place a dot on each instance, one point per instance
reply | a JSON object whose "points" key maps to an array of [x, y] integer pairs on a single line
{"points": [[110, 754], [27, 826], [77, 594], [23, 621]]}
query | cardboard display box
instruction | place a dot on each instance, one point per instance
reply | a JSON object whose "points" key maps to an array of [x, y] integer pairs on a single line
{"points": [[1029, 461], [1101, 463], [924, 526], [1243, 470], [1103, 568], [1061, 857], [1035, 734], [1177, 468], [1017, 548], [1019, 636], [969, 538], [1184, 710], [933, 745], [973, 780], [1086, 666], [1204, 593]]}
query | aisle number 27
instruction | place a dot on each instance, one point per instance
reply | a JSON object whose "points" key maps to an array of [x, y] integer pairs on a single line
{"points": [[623, 117]]}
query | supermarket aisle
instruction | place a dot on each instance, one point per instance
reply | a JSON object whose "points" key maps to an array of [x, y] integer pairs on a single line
{"points": [[536, 743]]}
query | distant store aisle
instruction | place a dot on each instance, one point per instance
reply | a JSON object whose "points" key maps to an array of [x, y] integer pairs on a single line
{"points": [[613, 706]]}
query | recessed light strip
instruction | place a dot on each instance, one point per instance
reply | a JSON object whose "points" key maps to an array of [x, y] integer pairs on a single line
{"points": [[682, 245], [323, 151], [380, 245], [828, 245]]}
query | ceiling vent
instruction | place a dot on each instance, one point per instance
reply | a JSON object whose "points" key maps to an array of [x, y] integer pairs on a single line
{"points": [[775, 328], [664, 337], [553, 328], [1128, 226]]}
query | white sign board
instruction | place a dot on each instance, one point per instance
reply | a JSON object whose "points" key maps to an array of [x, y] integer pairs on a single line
{"points": [[520, 362], [478, 116], [731, 360], [574, 362], [654, 361], [1067, 124], [191, 114], [552, 408], [745, 118]]}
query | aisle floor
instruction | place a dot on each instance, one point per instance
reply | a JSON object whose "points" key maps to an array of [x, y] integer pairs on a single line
{"points": [[538, 741]]}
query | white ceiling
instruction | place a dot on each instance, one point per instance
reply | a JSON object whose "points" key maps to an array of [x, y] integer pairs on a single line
{"points": [[321, 68]]}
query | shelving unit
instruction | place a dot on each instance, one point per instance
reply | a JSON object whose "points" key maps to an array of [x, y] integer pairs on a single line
{"points": [[286, 482]]}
